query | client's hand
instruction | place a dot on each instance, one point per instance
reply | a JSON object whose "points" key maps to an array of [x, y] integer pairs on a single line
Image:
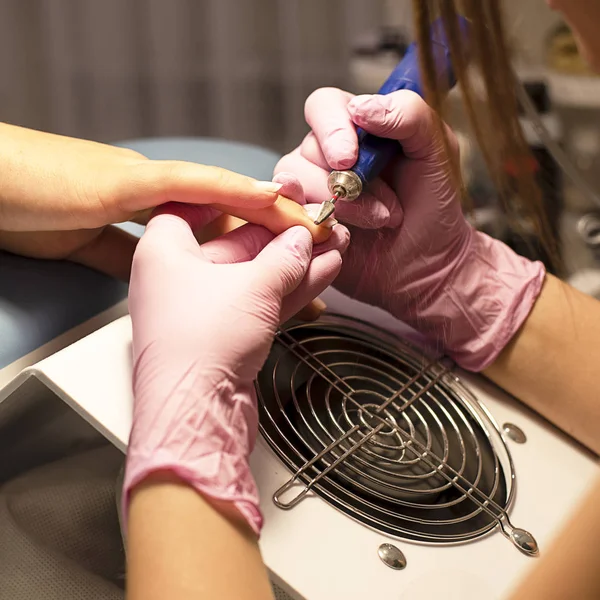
{"points": [[204, 317], [59, 195]]}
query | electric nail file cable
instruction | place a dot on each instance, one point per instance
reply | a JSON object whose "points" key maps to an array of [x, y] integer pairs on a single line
{"points": [[375, 153]]}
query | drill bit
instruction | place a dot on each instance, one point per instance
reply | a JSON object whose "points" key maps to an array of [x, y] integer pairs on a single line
{"points": [[326, 210]]}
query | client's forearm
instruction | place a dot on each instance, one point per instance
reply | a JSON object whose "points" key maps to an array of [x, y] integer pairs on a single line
{"points": [[182, 548], [109, 250], [553, 363]]}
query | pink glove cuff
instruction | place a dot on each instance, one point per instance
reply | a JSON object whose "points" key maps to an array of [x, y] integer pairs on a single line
{"points": [[484, 302], [241, 491], [203, 437]]}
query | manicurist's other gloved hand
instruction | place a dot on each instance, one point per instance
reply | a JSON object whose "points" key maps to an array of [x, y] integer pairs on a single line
{"points": [[204, 317], [464, 290]]}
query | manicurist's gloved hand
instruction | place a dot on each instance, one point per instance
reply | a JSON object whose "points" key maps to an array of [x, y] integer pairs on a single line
{"points": [[204, 317], [464, 290]]}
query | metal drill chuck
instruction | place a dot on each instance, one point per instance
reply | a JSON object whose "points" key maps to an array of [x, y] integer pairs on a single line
{"points": [[346, 185]]}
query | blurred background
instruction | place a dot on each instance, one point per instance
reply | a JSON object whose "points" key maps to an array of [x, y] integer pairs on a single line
{"points": [[114, 70], [119, 69], [236, 69]]}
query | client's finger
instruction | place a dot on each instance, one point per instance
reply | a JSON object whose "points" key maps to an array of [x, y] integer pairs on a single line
{"points": [[312, 311], [154, 182], [279, 217], [220, 226]]}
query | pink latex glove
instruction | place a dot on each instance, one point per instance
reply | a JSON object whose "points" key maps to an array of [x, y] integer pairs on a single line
{"points": [[203, 319], [378, 206], [464, 290]]}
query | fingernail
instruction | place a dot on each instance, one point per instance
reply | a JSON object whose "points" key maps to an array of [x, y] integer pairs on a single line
{"points": [[312, 210], [311, 312], [319, 304], [267, 186]]}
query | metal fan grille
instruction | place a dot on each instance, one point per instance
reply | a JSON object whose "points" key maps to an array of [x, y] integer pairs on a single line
{"points": [[381, 433]]}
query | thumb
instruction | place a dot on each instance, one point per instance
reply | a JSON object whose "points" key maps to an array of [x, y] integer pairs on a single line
{"points": [[282, 264], [326, 113], [402, 116], [171, 228], [155, 182]]}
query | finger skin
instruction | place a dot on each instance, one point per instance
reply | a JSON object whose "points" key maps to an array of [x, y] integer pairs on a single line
{"points": [[312, 311], [279, 217], [152, 182]]}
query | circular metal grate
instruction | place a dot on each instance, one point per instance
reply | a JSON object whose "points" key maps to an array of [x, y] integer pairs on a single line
{"points": [[393, 440]]}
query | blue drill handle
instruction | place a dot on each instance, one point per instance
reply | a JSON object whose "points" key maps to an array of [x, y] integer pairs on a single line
{"points": [[375, 153]]}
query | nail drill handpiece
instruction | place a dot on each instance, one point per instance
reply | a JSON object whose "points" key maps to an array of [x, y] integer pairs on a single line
{"points": [[375, 153]]}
